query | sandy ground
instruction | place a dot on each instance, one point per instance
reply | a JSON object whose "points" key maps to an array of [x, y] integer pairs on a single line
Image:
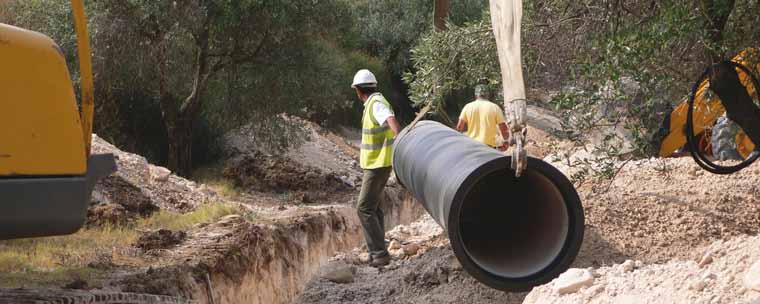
{"points": [[661, 215]]}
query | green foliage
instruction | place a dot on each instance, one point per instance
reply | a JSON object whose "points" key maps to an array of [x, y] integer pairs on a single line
{"points": [[451, 61], [634, 69], [266, 58]]}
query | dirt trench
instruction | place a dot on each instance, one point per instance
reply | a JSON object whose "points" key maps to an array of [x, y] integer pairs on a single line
{"points": [[243, 262]]}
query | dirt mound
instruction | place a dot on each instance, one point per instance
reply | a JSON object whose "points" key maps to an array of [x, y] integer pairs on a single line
{"points": [[722, 275], [160, 239], [141, 188], [660, 209], [311, 146], [261, 172]]}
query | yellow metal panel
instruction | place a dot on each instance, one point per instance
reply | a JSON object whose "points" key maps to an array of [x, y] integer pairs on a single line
{"points": [[40, 129]]}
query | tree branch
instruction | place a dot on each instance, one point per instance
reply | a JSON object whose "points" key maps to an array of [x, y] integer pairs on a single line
{"points": [[221, 64]]}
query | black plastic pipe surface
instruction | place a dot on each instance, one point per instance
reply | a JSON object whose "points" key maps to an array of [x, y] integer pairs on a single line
{"points": [[509, 233]]}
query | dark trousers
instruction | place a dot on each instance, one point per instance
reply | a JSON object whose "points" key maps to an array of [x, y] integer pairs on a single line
{"points": [[368, 209]]}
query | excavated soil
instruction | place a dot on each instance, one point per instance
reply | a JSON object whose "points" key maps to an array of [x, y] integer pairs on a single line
{"points": [[138, 189], [662, 213], [721, 275]]}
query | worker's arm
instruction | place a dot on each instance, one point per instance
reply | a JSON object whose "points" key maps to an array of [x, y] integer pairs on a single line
{"points": [[393, 124], [461, 125]]}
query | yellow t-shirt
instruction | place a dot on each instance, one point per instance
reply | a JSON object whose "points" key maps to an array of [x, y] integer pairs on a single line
{"points": [[483, 118]]}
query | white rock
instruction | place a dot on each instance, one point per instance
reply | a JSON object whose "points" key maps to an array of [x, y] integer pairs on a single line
{"points": [[639, 264], [752, 277], [397, 253], [394, 245], [698, 285], [159, 174], [628, 266], [364, 257], [706, 259], [573, 280]]}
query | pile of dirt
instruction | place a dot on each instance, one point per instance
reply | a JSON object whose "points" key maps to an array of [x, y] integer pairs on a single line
{"points": [[315, 166], [141, 188], [727, 272], [260, 172], [310, 146], [660, 209]]}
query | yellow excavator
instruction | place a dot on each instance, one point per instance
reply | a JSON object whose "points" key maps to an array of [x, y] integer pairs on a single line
{"points": [[688, 126], [46, 170]]}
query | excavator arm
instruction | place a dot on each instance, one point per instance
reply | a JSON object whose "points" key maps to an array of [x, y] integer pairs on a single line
{"points": [[708, 107]]}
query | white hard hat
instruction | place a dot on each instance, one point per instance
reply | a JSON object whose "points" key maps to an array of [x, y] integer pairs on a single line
{"points": [[364, 78]]}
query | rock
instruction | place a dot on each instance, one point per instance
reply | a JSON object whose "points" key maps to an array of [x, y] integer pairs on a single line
{"points": [[706, 259], [411, 249], [628, 266], [159, 174], [394, 245], [752, 277], [339, 272], [639, 264], [396, 253], [698, 285], [364, 257], [573, 280], [454, 264]]}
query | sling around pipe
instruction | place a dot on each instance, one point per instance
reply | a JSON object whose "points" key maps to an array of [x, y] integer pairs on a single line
{"points": [[509, 233]]}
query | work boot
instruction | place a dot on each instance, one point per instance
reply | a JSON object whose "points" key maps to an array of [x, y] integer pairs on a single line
{"points": [[380, 261]]}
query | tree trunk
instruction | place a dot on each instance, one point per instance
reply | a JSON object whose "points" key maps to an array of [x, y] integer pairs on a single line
{"points": [[716, 15], [180, 140], [440, 14]]}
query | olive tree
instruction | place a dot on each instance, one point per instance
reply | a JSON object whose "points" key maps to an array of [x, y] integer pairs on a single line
{"points": [[181, 46]]}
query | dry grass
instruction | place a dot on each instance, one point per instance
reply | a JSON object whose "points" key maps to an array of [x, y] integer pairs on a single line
{"points": [[212, 177], [51, 260]]}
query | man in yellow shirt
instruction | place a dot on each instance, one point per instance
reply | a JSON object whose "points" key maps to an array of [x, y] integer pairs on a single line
{"points": [[480, 119]]}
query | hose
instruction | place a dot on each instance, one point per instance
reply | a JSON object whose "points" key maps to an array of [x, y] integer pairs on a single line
{"points": [[696, 153]]}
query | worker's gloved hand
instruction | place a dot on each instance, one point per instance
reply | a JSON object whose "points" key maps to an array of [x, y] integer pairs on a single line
{"points": [[503, 147]]}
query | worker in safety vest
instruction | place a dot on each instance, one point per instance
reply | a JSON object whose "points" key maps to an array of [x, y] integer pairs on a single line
{"points": [[379, 128], [480, 120]]}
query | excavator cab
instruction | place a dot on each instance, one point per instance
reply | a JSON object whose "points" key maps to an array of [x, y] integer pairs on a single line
{"points": [[46, 171]]}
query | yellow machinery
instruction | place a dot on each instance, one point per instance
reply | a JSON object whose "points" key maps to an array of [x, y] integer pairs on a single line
{"points": [[708, 108], [46, 170]]}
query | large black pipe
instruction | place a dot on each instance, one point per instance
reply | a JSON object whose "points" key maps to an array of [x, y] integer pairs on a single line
{"points": [[509, 233]]}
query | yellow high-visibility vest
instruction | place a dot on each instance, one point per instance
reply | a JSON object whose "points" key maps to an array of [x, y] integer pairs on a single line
{"points": [[377, 140]]}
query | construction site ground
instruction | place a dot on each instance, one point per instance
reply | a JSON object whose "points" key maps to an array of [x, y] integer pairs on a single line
{"points": [[660, 231]]}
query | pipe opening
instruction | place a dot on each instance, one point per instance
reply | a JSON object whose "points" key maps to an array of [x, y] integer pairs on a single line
{"points": [[513, 227]]}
